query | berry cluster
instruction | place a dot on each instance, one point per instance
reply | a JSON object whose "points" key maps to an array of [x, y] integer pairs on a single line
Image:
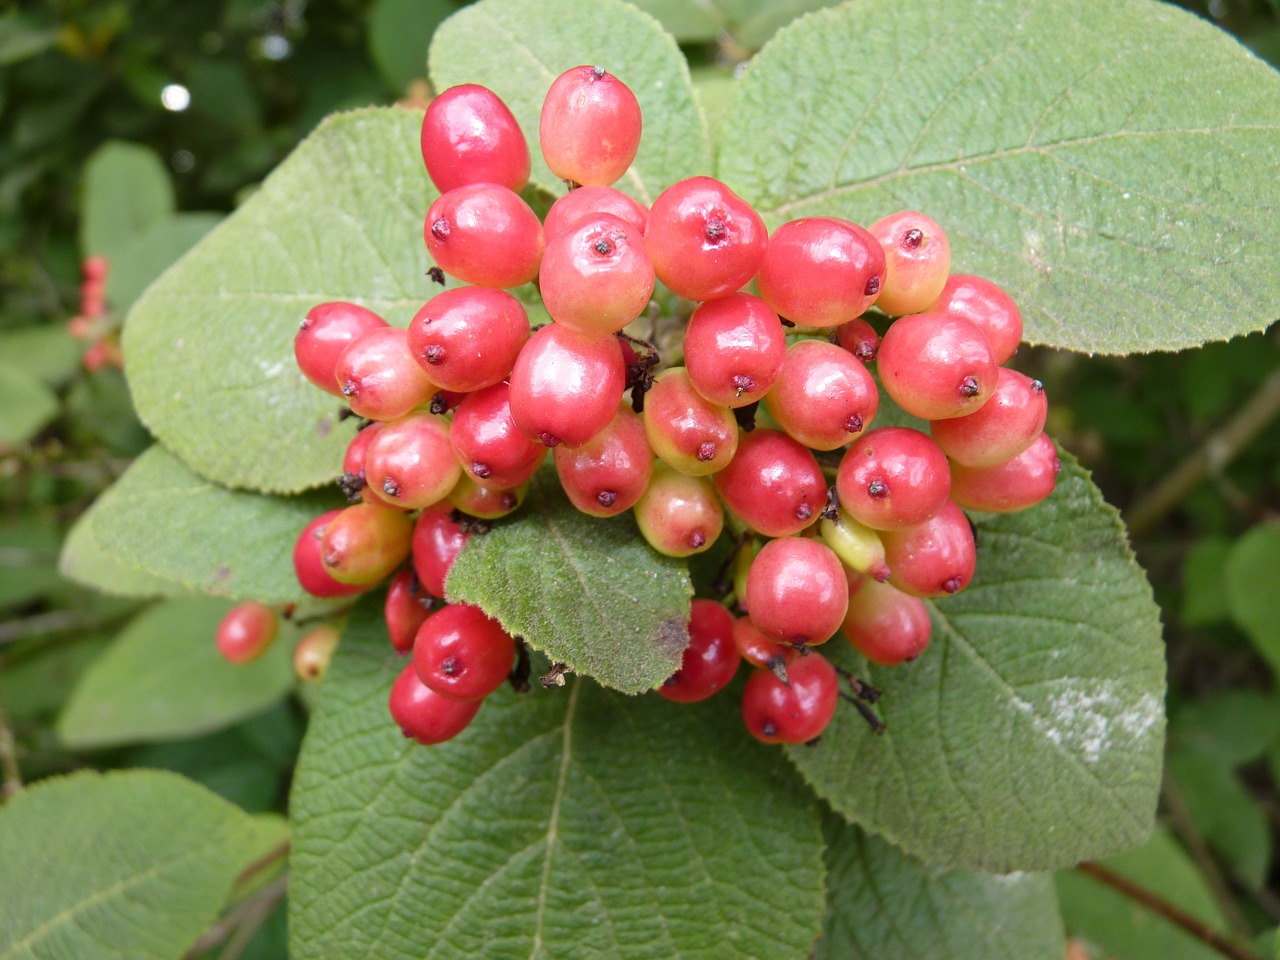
{"points": [[93, 323], [248, 630], [464, 405]]}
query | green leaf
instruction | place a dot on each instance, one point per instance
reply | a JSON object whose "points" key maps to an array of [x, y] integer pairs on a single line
{"points": [[20, 39], [589, 593], [48, 351], [164, 520], [1122, 930], [210, 345], [26, 405], [28, 555], [35, 681], [399, 34], [488, 43], [85, 561], [1237, 726], [126, 192], [148, 254], [574, 823], [882, 905], [1204, 588], [163, 678], [1125, 206], [1252, 597], [95, 864], [684, 20], [1029, 734]]}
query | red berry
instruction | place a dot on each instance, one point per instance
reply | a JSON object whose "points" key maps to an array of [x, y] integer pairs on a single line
{"points": [[688, 432], [587, 202], [936, 366], [410, 463], [796, 591], [893, 477], [774, 485], [917, 259], [379, 377], [437, 541], [365, 543], [407, 605], [610, 472], [470, 136], [596, 276], [483, 502], [246, 631], [859, 338], [489, 445], [565, 388], [95, 268], [468, 338], [424, 715], [679, 515], [589, 127], [325, 332], [934, 558], [483, 233], [821, 271], [704, 240], [354, 482], [885, 625], [796, 711], [710, 660], [461, 653], [987, 307], [312, 655], [1001, 429], [824, 397], [1007, 487], [308, 566], [757, 649], [733, 349]]}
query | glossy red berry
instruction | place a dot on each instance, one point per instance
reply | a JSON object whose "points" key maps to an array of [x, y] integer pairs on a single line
{"points": [[485, 234], [410, 464], [733, 349], [893, 477], [1001, 429], [308, 566], [821, 271], [424, 715], [610, 472], [437, 541], [406, 607], [596, 276], [710, 660], [470, 136], [935, 558], [859, 338], [246, 631], [685, 430], [1017, 484], [325, 332], [987, 307], [564, 387], [885, 625], [704, 240], [484, 502], [917, 260], [462, 653], [489, 445], [587, 202], [679, 515], [796, 591], [589, 127], [468, 338], [936, 366], [774, 485], [757, 649], [314, 652], [824, 397], [796, 711], [365, 543], [378, 376]]}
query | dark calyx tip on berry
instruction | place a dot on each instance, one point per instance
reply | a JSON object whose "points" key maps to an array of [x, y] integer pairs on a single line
{"points": [[831, 509], [351, 484], [436, 274], [777, 665], [450, 666], [879, 572], [1037, 386], [603, 246], [481, 471], [866, 351], [877, 489], [969, 387], [953, 584], [441, 229], [743, 383], [390, 487], [306, 322], [672, 680], [509, 500], [697, 539], [872, 287], [350, 388], [715, 230], [912, 239], [606, 498], [854, 423], [707, 451], [769, 728], [804, 512], [439, 404], [433, 354], [785, 322], [598, 72], [548, 439]]}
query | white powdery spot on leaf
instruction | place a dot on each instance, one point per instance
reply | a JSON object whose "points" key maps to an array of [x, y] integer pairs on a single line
{"points": [[1093, 716]]}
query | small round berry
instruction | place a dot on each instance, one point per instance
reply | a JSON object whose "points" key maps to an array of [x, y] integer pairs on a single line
{"points": [[378, 376], [685, 430], [859, 338], [470, 136], [1016, 484], [893, 477], [483, 502], [365, 543], [489, 445], [246, 631], [1001, 428], [596, 276], [407, 605], [437, 541], [308, 565], [824, 397], [733, 349], [610, 472], [821, 271], [710, 660], [679, 515], [95, 268], [885, 625], [858, 546], [564, 387], [987, 307], [589, 127], [704, 240], [485, 234], [774, 485], [935, 558], [353, 481], [757, 649], [936, 366], [796, 711], [325, 332], [314, 652], [796, 591], [424, 715], [468, 338], [461, 653], [587, 202], [410, 463], [917, 260]]}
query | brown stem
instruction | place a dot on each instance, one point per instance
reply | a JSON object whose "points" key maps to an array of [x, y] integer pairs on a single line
{"points": [[242, 922], [1181, 820], [1171, 912]]}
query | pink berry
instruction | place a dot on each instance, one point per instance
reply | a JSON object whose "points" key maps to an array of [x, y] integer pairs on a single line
{"points": [[679, 515], [685, 430], [483, 502], [936, 366], [246, 631], [437, 541], [564, 387], [485, 234], [824, 397], [589, 127], [406, 606], [596, 276], [757, 649], [587, 202], [308, 565], [410, 463], [326, 331], [893, 477], [1007, 487], [821, 271], [489, 445], [424, 715], [935, 558], [917, 258], [365, 543], [470, 136], [796, 591], [774, 485], [1001, 429], [885, 625], [468, 338], [733, 349], [987, 307], [796, 711], [859, 338], [379, 377], [610, 472], [461, 653]]}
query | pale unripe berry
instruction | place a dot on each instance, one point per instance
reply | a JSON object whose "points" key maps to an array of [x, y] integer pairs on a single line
{"points": [[685, 430], [857, 545], [364, 543], [314, 652], [917, 260], [679, 515], [885, 625], [611, 471]]}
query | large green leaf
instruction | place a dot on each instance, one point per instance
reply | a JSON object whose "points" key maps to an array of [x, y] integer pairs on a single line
{"points": [[570, 823], [1127, 204], [84, 560], [151, 252], [1029, 734], [210, 344], [517, 47], [883, 905], [126, 193], [163, 678], [587, 592], [164, 520], [135, 864], [1252, 597], [399, 34], [26, 405]]}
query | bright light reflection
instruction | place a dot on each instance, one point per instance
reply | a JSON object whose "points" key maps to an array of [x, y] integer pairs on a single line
{"points": [[175, 97]]}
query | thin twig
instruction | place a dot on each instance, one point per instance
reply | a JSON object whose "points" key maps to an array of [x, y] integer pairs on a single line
{"points": [[52, 621], [248, 914], [1171, 912], [1210, 458]]}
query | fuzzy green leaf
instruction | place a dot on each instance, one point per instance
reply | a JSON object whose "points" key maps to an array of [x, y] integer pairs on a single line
{"points": [[84, 560], [210, 344], [95, 863], [1126, 206], [1029, 734], [164, 520], [163, 678], [127, 192], [151, 252], [587, 592], [26, 405], [570, 823], [882, 905], [489, 43], [399, 34]]}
